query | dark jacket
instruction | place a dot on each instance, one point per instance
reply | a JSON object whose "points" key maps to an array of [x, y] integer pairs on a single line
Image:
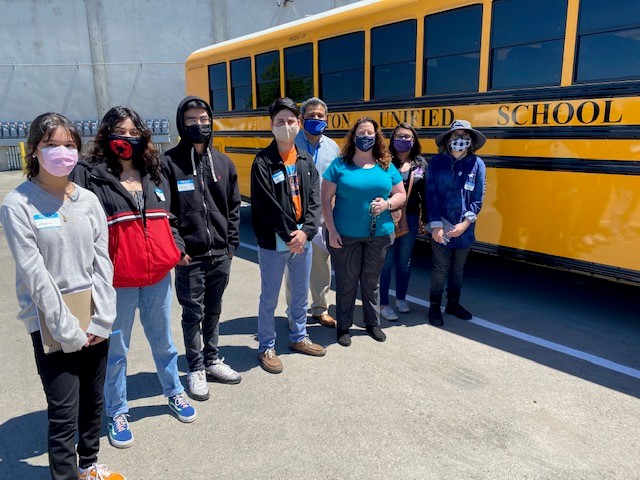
{"points": [[272, 209], [417, 201], [141, 243], [455, 191], [205, 199]]}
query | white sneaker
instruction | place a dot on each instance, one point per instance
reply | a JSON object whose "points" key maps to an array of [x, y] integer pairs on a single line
{"points": [[403, 306], [387, 313], [219, 371], [198, 388]]}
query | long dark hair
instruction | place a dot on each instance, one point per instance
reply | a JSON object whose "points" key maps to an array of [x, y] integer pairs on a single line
{"points": [[380, 152], [43, 128], [415, 149], [145, 162]]}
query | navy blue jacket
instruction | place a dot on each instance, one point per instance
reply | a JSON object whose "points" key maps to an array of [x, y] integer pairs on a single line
{"points": [[455, 190]]}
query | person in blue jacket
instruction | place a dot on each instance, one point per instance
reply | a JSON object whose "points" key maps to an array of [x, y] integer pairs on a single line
{"points": [[455, 190]]}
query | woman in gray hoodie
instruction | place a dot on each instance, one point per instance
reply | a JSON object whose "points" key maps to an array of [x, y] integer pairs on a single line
{"points": [[57, 233]]}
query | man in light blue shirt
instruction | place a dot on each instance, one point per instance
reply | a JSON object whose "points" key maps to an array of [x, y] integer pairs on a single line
{"points": [[323, 150]]}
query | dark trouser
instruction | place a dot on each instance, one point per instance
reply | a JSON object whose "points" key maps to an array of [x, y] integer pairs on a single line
{"points": [[399, 257], [447, 261], [359, 260], [199, 287], [73, 384]]}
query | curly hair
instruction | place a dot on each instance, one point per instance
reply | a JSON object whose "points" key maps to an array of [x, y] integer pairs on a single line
{"points": [[145, 162], [380, 152], [42, 129]]}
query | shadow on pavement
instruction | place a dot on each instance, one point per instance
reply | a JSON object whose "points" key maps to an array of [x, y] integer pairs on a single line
{"points": [[22, 438]]}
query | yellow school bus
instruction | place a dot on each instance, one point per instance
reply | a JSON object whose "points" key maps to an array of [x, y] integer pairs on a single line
{"points": [[554, 85]]}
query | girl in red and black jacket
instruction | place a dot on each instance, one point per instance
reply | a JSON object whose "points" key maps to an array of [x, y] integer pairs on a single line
{"points": [[124, 173]]}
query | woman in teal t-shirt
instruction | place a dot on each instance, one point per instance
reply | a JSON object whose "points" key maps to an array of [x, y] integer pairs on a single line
{"points": [[365, 186]]}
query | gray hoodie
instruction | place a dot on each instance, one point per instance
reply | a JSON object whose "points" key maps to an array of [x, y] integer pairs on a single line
{"points": [[59, 248]]}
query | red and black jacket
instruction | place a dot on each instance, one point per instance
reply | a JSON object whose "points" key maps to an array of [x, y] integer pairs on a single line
{"points": [[141, 242]]}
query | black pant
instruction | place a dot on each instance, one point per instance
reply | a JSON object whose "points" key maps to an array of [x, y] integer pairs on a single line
{"points": [[447, 261], [73, 384], [359, 260], [199, 288]]}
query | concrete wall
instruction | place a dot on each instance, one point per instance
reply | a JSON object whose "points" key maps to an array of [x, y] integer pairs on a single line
{"points": [[80, 58]]}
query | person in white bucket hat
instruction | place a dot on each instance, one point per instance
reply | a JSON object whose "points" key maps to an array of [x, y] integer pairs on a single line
{"points": [[455, 190]]}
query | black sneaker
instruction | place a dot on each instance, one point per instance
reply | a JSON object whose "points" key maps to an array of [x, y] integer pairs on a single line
{"points": [[344, 338], [435, 316], [458, 310], [376, 333]]}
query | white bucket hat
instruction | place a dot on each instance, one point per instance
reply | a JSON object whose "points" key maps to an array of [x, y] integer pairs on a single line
{"points": [[478, 137]]}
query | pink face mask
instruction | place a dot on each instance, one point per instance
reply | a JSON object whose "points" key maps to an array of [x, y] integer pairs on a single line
{"points": [[59, 161]]}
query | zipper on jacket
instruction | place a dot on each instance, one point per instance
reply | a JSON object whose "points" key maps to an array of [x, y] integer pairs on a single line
{"points": [[204, 197]]}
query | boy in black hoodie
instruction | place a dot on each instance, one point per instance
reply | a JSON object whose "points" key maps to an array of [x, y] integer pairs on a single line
{"points": [[205, 201]]}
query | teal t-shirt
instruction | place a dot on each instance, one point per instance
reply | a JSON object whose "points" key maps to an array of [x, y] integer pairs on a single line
{"points": [[356, 187]]}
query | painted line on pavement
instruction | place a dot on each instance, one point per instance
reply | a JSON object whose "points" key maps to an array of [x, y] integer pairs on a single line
{"points": [[557, 347]]}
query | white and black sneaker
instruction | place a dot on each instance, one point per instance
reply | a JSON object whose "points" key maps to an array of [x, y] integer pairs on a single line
{"points": [[198, 389], [220, 372]]}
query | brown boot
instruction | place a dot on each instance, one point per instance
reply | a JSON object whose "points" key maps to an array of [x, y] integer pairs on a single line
{"points": [[307, 347], [269, 361], [325, 320]]}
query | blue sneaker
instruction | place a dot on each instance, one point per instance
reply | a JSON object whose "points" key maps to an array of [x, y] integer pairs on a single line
{"points": [[120, 435], [182, 408]]}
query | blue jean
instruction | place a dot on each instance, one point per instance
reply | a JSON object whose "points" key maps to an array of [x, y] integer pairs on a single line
{"points": [[399, 255], [272, 265], [154, 303]]}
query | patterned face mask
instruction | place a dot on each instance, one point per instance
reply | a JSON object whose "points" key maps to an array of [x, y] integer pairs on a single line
{"points": [[460, 145]]}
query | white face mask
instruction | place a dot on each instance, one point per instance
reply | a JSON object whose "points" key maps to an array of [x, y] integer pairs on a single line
{"points": [[286, 133], [460, 144]]}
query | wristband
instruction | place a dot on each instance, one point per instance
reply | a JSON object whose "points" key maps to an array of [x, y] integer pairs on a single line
{"points": [[389, 205]]}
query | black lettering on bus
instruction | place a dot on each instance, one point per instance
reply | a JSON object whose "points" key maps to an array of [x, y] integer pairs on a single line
{"points": [[345, 121], [514, 114], [556, 113], [433, 117], [503, 111], [396, 117], [383, 120], [594, 115], [334, 121], [607, 113], [447, 117], [413, 117], [535, 114]]}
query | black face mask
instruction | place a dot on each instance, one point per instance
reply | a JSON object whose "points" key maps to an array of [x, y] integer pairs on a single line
{"points": [[124, 147], [199, 133]]}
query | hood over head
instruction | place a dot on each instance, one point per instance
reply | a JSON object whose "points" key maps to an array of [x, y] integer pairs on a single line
{"points": [[182, 130]]}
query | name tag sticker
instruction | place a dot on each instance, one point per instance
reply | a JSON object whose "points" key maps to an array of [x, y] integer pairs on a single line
{"points": [[278, 177], [186, 185], [47, 220], [469, 186], [160, 194]]}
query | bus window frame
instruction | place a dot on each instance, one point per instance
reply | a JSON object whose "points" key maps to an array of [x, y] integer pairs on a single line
{"points": [[226, 85], [258, 83], [250, 85], [284, 88], [321, 93]]}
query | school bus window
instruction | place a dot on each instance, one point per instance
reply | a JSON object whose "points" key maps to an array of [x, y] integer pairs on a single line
{"points": [[241, 84], [298, 72], [393, 60], [267, 78], [608, 40], [527, 39], [218, 87], [341, 68], [452, 66]]}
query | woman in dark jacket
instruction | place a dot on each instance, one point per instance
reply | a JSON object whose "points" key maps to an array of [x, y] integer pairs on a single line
{"points": [[455, 190], [124, 173], [405, 153]]}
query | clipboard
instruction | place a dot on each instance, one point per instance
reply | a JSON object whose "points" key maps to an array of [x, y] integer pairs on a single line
{"points": [[81, 306]]}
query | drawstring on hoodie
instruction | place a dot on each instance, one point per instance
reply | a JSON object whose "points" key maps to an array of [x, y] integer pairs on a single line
{"points": [[213, 170]]}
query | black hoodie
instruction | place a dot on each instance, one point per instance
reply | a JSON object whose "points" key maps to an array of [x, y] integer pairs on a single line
{"points": [[205, 199]]}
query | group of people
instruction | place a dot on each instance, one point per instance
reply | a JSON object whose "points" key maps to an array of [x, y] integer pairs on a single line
{"points": [[136, 215]]}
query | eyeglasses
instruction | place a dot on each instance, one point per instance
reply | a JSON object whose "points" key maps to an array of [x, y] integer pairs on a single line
{"points": [[202, 120], [402, 136], [463, 137]]}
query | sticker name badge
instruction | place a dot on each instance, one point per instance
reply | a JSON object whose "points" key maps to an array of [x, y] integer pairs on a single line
{"points": [[160, 194], [469, 185], [47, 220], [278, 177], [186, 185]]}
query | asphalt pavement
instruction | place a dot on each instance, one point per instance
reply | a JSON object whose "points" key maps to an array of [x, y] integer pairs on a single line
{"points": [[543, 384]]}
